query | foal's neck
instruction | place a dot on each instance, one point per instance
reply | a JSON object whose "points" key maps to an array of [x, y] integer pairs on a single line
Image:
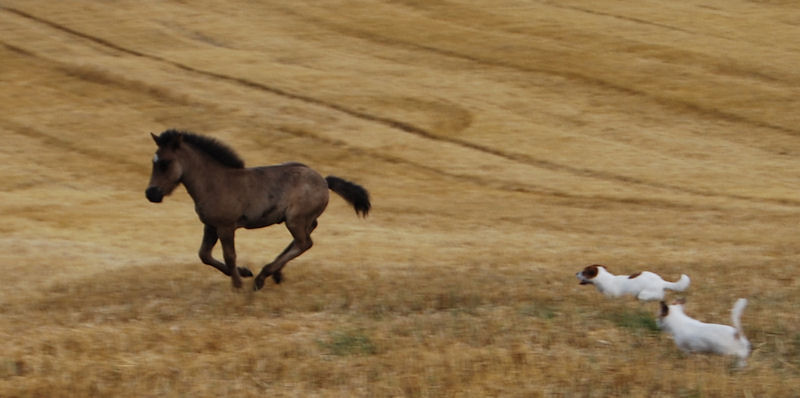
{"points": [[201, 174]]}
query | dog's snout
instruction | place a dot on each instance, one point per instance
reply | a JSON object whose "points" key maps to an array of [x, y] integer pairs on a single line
{"points": [[154, 194]]}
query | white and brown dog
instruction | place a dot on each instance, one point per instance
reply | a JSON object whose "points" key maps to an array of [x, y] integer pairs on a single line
{"points": [[645, 286], [692, 335]]}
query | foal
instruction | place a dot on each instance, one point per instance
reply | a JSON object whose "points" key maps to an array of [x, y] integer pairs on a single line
{"points": [[228, 196]]}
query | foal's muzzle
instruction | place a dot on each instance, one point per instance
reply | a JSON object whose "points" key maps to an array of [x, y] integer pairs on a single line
{"points": [[154, 194]]}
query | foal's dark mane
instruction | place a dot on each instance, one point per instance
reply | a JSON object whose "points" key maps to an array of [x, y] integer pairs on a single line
{"points": [[212, 147]]}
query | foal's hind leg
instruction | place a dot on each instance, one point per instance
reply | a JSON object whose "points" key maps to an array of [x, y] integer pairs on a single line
{"points": [[302, 242], [277, 276], [210, 238]]}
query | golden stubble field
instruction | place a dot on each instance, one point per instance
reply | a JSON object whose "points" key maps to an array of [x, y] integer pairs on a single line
{"points": [[506, 145]]}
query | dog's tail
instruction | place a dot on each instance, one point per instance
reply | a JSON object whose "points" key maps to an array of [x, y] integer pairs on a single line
{"points": [[679, 286], [736, 315]]}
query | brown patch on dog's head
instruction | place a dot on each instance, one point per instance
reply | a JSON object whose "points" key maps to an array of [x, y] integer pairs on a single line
{"points": [[589, 273], [634, 275], [680, 301]]}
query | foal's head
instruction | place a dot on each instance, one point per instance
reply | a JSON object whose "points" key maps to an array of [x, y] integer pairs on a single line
{"points": [[167, 169]]}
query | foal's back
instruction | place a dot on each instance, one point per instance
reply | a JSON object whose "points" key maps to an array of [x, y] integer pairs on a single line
{"points": [[290, 186]]}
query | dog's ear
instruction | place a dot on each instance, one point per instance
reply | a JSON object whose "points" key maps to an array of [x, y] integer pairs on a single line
{"points": [[590, 271], [600, 265], [664, 310]]}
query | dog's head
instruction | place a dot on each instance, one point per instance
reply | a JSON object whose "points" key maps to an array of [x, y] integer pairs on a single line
{"points": [[586, 277], [667, 310], [664, 310]]}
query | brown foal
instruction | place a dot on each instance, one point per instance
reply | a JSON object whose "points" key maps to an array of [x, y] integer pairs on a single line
{"points": [[228, 196]]}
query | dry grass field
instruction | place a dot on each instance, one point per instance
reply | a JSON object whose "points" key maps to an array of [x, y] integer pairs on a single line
{"points": [[506, 145]]}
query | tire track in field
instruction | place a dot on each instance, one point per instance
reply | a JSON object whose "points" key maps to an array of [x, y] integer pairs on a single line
{"points": [[572, 75], [511, 186], [116, 164], [70, 146], [624, 18], [410, 128]]}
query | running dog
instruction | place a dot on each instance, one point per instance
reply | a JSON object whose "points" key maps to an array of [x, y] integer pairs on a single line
{"points": [[645, 286], [692, 335]]}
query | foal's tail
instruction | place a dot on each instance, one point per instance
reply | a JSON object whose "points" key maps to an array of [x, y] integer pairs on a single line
{"points": [[355, 194]]}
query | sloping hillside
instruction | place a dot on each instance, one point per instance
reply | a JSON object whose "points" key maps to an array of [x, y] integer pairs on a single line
{"points": [[505, 145]]}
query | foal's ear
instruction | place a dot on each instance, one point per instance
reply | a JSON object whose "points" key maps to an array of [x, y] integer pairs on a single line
{"points": [[170, 141]]}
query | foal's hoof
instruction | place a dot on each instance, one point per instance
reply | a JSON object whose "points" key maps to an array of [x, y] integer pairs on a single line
{"points": [[277, 277], [245, 272], [237, 283], [258, 283]]}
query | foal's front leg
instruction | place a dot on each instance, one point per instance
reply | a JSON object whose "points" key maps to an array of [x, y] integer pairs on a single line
{"points": [[229, 253], [210, 238]]}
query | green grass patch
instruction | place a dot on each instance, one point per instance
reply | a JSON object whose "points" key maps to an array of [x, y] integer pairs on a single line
{"points": [[637, 321], [348, 343], [538, 311]]}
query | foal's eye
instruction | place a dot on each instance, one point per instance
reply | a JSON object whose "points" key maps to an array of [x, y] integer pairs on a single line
{"points": [[163, 165]]}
